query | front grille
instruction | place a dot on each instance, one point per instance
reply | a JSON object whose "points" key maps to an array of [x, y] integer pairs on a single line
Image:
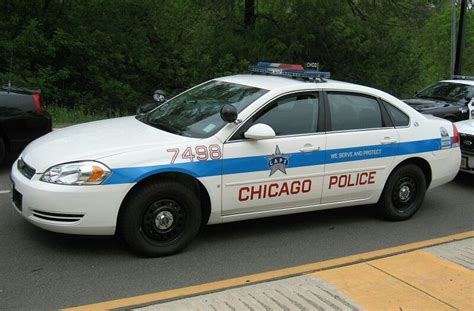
{"points": [[68, 218], [467, 143], [25, 169], [17, 199]]}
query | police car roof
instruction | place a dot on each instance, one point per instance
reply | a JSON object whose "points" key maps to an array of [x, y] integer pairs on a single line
{"points": [[277, 83], [269, 82], [460, 81]]}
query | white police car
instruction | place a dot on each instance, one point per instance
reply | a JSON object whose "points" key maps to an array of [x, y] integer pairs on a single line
{"points": [[281, 140]]}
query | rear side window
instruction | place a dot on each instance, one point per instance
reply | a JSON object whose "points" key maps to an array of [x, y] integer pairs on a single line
{"points": [[353, 111], [398, 117]]}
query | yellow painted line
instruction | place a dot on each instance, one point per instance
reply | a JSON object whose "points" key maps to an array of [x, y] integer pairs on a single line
{"points": [[375, 290], [443, 279], [266, 276]]}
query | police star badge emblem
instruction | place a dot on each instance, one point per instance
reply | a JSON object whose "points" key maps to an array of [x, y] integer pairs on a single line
{"points": [[277, 162]]}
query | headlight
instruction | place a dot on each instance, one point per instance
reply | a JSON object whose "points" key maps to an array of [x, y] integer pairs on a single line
{"points": [[77, 173]]}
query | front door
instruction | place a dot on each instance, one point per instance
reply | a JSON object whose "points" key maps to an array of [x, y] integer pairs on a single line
{"points": [[282, 172]]}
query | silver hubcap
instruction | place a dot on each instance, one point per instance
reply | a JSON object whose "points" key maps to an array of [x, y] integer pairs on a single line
{"points": [[404, 193], [164, 220]]}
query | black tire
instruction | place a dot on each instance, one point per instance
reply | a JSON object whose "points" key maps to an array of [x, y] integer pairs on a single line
{"points": [[2, 150], [145, 223], [403, 194]]}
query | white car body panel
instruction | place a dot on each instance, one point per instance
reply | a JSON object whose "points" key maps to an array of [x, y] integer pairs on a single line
{"points": [[135, 151], [466, 131]]}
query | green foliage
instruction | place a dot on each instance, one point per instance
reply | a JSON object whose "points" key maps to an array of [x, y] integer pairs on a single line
{"points": [[63, 116], [105, 56]]}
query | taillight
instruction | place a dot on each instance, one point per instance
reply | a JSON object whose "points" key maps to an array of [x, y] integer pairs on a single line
{"points": [[39, 107], [456, 136]]}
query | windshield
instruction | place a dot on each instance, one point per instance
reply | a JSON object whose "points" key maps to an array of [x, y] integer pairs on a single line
{"points": [[196, 113], [447, 91]]}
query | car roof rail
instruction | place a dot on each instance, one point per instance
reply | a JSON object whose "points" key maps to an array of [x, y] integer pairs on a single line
{"points": [[289, 71]]}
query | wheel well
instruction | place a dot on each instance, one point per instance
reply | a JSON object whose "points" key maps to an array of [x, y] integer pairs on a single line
{"points": [[184, 179], [450, 117], [5, 142], [421, 163]]}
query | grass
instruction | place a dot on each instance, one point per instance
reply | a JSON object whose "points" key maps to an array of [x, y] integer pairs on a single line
{"points": [[64, 116]]}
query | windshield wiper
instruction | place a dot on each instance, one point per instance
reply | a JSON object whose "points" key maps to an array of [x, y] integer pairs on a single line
{"points": [[165, 127]]}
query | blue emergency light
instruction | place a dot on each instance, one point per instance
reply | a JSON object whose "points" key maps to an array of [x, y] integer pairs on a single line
{"points": [[288, 70]]}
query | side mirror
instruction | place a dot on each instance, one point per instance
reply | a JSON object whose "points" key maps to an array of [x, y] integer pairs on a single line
{"points": [[142, 109], [229, 113], [468, 100], [260, 131], [159, 96]]}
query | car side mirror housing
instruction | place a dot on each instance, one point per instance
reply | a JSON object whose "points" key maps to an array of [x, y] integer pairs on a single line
{"points": [[259, 131], [159, 96], [229, 113]]}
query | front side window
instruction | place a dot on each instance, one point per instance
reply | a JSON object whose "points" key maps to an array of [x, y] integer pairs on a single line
{"points": [[196, 113], [353, 111], [291, 115], [447, 91]]}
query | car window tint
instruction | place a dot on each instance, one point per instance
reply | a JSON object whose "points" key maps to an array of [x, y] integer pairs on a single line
{"points": [[292, 115], [351, 111], [398, 117]]}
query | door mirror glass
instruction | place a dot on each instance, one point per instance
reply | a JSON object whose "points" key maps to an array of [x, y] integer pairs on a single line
{"points": [[259, 131]]}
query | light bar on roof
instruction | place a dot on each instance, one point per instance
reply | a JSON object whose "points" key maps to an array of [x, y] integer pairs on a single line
{"points": [[458, 77], [288, 70]]}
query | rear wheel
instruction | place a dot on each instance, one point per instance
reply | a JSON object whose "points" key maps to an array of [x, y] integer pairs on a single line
{"points": [[160, 219], [403, 194]]}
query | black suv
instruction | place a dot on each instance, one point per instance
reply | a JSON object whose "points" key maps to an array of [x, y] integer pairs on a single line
{"points": [[23, 118], [445, 99]]}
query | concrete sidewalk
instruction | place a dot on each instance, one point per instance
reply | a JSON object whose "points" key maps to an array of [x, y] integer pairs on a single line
{"points": [[434, 278]]}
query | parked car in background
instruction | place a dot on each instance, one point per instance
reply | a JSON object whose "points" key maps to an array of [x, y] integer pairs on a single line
{"points": [[466, 134], [23, 118], [446, 99]]}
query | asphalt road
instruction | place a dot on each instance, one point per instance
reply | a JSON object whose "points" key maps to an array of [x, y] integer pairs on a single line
{"points": [[44, 270]]}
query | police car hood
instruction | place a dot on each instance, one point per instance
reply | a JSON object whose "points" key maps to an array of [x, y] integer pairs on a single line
{"points": [[95, 140], [422, 104], [466, 127]]}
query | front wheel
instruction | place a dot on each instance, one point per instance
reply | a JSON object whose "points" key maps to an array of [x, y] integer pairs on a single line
{"points": [[160, 219], [403, 194]]}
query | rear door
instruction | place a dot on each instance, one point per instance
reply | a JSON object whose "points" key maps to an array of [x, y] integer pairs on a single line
{"points": [[361, 143], [283, 172]]}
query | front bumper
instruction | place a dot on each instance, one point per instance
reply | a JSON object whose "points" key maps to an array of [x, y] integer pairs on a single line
{"points": [[467, 163], [90, 210]]}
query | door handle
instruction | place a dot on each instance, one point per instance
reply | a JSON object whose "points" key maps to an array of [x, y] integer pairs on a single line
{"points": [[389, 140], [309, 148]]}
